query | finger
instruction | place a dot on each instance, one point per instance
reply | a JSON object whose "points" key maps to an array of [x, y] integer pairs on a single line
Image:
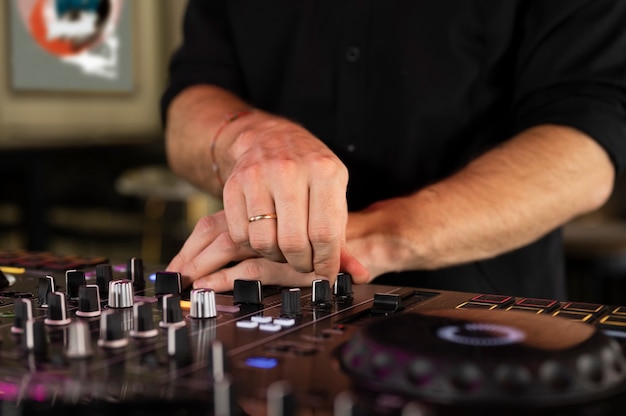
{"points": [[236, 210], [208, 248], [292, 233], [267, 271], [262, 222], [328, 215], [350, 264], [204, 232]]}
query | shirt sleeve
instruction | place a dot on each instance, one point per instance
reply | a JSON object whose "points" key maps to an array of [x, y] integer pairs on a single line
{"points": [[206, 55], [571, 70]]}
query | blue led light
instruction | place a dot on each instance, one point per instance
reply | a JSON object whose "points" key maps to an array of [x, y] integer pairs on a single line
{"points": [[152, 277], [264, 363]]}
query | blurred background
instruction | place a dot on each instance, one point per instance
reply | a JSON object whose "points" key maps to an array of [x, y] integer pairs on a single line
{"points": [[81, 146]]}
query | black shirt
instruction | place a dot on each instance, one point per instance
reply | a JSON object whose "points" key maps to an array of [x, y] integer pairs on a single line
{"points": [[407, 92]]}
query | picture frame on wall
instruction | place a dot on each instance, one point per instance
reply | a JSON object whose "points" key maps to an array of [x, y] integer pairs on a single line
{"points": [[71, 46]]}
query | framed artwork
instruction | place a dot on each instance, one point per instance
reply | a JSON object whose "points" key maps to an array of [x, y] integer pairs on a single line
{"points": [[71, 45]]}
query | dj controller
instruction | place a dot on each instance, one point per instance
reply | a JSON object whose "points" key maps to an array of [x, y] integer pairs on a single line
{"points": [[89, 336]]}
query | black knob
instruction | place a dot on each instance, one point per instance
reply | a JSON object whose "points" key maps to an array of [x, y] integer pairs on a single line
{"points": [[112, 330], [135, 272], [143, 323], [167, 283], [89, 301], [172, 312], [247, 292], [342, 290], [104, 276], [291, 303], [46, 286], [79, 344], [178, 345], [320, 294], [386, 303], [74, 279], [23, 311], [34, 340], [57, 310]]}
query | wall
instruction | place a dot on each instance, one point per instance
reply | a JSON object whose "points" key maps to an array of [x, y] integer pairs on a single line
{"points": [[35, 119]]}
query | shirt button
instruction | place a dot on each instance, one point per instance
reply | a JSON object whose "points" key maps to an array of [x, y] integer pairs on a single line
{"points": [[350, 148], [353, 53]]}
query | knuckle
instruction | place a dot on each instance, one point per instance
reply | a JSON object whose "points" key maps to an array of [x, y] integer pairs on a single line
{"points": [[263, 245], [324, 234], [225, 243], [251, 269], [294, 245], [206, 224]]}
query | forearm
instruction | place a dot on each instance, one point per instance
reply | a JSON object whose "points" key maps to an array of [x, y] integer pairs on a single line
{"points": [[505, 199], [192, 121]]}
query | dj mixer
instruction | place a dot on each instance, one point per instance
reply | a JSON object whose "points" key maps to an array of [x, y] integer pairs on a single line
{"points": [[91, 336]]}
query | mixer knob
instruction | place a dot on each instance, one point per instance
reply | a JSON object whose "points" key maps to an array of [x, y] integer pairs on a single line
{"points": [[23, 311], [46, 286], [34, 340], [121, 294], [89, 301], [555, 375], [248, 292], [74, 279], [513, 377], [202, 304], [320, 294], [79, 344], [224, 398], [467, 377], [143, 326], [386, 303], [112, 330], [280, 399], [134, 272], [345, 404], [57, 310], [167, 283], [218, 361], [178, 345], [291, 303], [343, 286], [104, 276], [172, 312]]}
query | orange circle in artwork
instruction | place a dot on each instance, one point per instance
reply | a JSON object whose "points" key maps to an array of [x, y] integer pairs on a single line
{"points": [[59, 47]]}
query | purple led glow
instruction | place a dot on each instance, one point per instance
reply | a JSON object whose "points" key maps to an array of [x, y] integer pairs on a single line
{"points": [[481, 335], [8, 391]]}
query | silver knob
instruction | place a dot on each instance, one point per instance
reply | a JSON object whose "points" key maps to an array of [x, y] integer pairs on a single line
{"points": [[202, 304], [121, 294], [79, 345]]}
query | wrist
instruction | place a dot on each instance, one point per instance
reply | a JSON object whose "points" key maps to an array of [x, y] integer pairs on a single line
{"points": [[228, 119], [384, 238]]}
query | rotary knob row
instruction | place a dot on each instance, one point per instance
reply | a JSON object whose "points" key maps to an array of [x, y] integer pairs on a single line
{"points": [[113, 324]]}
